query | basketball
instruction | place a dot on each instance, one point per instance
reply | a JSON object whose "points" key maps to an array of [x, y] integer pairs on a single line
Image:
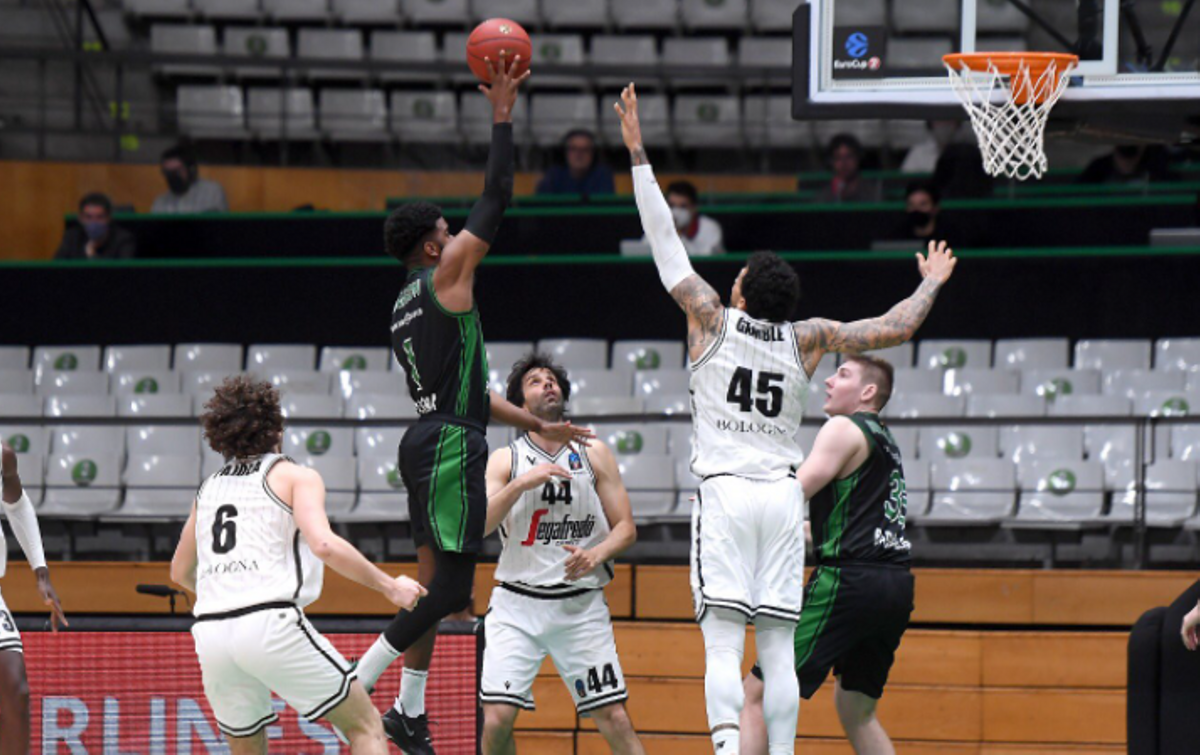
{"points": [[492, 37]]}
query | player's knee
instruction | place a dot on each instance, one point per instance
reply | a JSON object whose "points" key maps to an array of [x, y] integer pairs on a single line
{"points": [[855, 709], [15, 688], [752, 687], [614, 717], [498, 722]]}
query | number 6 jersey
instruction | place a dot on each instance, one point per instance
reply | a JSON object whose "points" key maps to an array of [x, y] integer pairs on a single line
{"points": [[748, 392], [249, 549], [543, 520]]}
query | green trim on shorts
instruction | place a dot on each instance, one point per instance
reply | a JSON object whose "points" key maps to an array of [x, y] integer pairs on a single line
{"points": [[818, 606], [448, 490]]}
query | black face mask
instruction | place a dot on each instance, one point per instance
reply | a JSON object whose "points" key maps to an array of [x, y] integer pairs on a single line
{"points": [[918, 219], [178, 183]]}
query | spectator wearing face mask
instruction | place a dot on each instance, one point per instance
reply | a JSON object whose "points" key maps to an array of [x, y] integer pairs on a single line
{"points": [[700, 234], [94, 237], [923, 219], [188, 193]]}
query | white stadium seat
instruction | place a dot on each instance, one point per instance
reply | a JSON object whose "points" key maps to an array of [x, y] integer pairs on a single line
{"points": [[292, 11], [147, 440], [82, 484], [599, 383], [118, 358], [502, 355], [654, 118], [552, 116], [200, 384], [350, 384], [957, 442], [416, 47], [266, 357], [765, 52], [80, 406], [1055, 384], [714, 14], [300, 406], [1131, 384], [154, 405], [50, 359], [971, 381], [363, 12], [208, 356], [475, 119], [74, 384], [306, 382], [907, 381], [18, 405], [313, 440], [574, 14], [926, 16], [696, 53], [16, 381], [656, 382], [376, 406], [342, 45], [971, 492], [557, 50], [1033, 353], [211, 112], [900, 357], [159, 485], [605, 406], [228, 10], [382, 497], [941, 354], [268, 121], [1057, 491], [772, 15], [769, 123], [26, 439], [645, 356], [524, 12], [576, 353], [1028, 442], [645, 14], [708, 121], [983, 405], [257, 42], [421, 12], [372, 442], [631, 440], [921, 405], [623, 49], [1091, 406], [144, 382], [859, 13], [1112, 354], [425, 117], [1181, 354], [184, 39], [650, 481], [14, 357], [340, 476], [157, 8], [354, 359]]}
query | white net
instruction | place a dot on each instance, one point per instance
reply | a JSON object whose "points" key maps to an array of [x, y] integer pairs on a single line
{"points": [[1009, 113]]}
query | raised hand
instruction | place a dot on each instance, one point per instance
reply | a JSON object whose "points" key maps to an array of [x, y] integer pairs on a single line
{"points": [[631, 129], [1190, 639], [502, 92], [50, 598], [939, 263], [565, 432]]}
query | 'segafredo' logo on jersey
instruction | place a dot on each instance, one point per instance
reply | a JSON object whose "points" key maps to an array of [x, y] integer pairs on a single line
{"points": [[751, 428], [567, 530], [768, 333]]}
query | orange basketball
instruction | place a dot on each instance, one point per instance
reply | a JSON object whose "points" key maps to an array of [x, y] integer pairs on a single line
{"points": [[492, 37]]}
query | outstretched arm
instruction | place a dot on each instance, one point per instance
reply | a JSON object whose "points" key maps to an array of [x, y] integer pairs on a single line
{"points": [[690, 292], [455, 275], [23, 519], [816, 337], [614, 498], [835, 447], [506, 412]]}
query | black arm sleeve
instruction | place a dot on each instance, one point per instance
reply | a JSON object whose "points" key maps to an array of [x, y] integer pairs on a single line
{"points": [[485, 216]]}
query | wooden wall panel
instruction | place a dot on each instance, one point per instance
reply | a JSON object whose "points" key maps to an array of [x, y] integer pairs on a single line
{"points": [[1054, 659], [1066, 716]]}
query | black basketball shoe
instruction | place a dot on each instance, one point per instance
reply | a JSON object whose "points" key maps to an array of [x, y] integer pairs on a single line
{"points": [[409, 733]]}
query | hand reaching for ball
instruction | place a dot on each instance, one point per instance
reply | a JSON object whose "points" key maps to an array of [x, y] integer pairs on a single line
{"points": [[504, 85]]}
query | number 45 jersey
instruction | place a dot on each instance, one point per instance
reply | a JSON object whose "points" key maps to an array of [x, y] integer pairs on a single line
{"points": [[559, 513], [748, 393], [249, 549]]}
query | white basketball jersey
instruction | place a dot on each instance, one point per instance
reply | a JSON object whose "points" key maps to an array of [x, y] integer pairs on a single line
{"points": [[544, 520], [3, 553], [250, 549], [748, 392]]}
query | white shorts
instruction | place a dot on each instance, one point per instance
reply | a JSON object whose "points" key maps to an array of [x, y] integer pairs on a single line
{"points": [[10, 636], [577, 634], [748, 547], [244, 659]]}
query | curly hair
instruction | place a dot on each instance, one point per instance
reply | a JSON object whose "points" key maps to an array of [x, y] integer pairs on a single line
{"points": [[243, 418], [535, 360], [771, 287], [407, 227]]}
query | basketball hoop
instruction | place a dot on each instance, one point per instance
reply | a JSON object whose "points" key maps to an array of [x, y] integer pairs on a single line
{"points": [[1009, 96]]}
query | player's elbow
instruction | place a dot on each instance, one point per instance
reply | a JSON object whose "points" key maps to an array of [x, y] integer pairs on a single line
{"points": [[324, 549], [179, 572]]}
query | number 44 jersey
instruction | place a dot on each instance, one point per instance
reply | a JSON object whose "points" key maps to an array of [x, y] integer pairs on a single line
{"points": [[249, 549], [748, 393]]}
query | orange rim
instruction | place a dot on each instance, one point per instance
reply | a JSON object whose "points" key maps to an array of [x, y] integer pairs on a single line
{"points": [[1011, 63]]}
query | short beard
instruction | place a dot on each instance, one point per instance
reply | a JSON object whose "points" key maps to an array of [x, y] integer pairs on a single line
{"points": [[548, 414]]}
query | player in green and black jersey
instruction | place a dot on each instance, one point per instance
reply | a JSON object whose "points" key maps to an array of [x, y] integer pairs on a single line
{"points": [[860, 595], [438, 341]]}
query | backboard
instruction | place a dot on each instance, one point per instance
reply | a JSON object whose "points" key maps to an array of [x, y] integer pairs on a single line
{"points": [[1138, 77]]}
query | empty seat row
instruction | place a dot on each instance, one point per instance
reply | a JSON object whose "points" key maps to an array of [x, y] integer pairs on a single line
{"points": [[192, 357], [763, 15]]}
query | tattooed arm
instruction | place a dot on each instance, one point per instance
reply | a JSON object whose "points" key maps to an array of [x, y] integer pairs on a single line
{"points": [[816, 337]]}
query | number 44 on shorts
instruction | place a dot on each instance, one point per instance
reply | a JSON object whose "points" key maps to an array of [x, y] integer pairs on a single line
{"points": [[597, 681]]}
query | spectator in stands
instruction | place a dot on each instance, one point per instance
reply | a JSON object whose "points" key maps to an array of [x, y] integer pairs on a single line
{"points": [[1128, 163], [93, 236], [924, 222], [845, 155], [923, 157], [582, 174], [700, 234], [188, 192]]}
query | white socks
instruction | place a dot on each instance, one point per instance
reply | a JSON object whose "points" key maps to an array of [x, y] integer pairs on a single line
{"points": [[781, 696], [724, 644], [411, 701], [375, 661]]}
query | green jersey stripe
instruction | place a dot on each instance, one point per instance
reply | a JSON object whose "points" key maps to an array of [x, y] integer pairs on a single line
{"points": [[818, 605]]}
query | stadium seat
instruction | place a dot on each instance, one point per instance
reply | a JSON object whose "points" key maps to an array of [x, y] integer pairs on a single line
{"points": [[707, 121], [971, 492], [696, 53], [868, 132], [265, 357], [1182, 354], [1185, 442], [1054, 384], [83, 484], [200, 384], [679, 439], [859, 13], [416, 47], [904, 135], [557, 50], [645, 14], [769, 122], [599, 383], [354, 359], [765, 52], [502, 355], [350, 384], [1021, 443], [524, 12], [228, 10], [667, 404], [1005, 406], [918, 53], [630, 356], [353, 115], [311, 440], [923, 405], [652, 113], [1133, 383], [602, 406], [299, 406], [342, 45], [20, 405], [1091, 406], [79, 406], [184, 39], [50, 359], [713, 14], [376, 442], [916, 483], [940, 354], [655, 382], [577, 353], [688, 484], [623, 49], [364, 12], [382, 497], [208, 356], [1166, 404], [1114, 445], [499, 436], [174, 440], [927, 16], [552, 116], [293, 11], [631, 440], [32, 468], [999, 18], [26, 439], [144, 382], [1170, 495], [257, 42], [14, 357], [157, 8], [118, 358], [907, 381], [905, 437], [376, 406], [475, 119], [425, 117], [154, 405], [307, 382], [340, 475], [975, 381], [422, 12], [159, 486], [16, 381], [267, 121], [900, 357], [574, 14], [939, 443], [210, 462], [211, 112], [73, 384], [1108, 355], [772, 15], [650, 481], [1060, 491]]}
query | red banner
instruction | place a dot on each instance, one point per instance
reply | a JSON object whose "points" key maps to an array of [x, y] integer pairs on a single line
{"points": [[139, 693]]}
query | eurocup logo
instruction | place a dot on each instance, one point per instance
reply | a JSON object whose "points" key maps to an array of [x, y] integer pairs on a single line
{"points": [[857, 45]]}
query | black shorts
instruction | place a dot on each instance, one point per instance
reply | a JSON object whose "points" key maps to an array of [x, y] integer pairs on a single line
{"points": [[852, 621], [443, 467]]}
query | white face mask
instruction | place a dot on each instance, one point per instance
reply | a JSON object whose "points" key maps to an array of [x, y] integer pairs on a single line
{"points": [[683, 217]]}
